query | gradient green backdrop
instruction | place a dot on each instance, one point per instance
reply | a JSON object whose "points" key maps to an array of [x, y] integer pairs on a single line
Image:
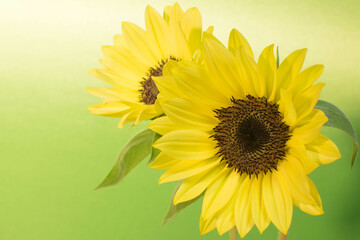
{"points": [[53, 153]]}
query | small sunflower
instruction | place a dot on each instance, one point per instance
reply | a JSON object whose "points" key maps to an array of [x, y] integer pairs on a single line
{"points": [[245, 134], [138, 56]]}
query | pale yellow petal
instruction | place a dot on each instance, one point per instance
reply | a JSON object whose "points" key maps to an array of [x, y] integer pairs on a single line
{"points": [[243, 216], [191, 24], [278, 202], [268, 69], [207, 225], [129, 117], [140, 44], [119, 40], [287, 108], [306, 100], [184, 114], [315, 208], [309, 128], [173, 13], [294, 173], [194, 82], [220, 64], [158, 32], [110, 109], [114, 94], [195, 185], [225, 220], [187, 144], [108, 76], [252, 81], [322, 150], [237, 40], [290, 68], [163, 161], [306, 78], [187, 168], [162, 125], [220, 192], [122, 61], [258, 210], [298, 151]]}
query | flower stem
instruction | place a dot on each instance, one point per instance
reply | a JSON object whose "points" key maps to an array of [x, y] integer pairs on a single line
{"points": [[233, 234], [282, 236]]}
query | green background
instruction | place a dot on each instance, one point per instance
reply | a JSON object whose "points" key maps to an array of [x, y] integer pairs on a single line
{"points": [[53, 153]]}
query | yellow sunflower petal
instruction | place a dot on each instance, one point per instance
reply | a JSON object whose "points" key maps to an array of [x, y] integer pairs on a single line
{"points": [[195, 185], [147, 112], [307, 99], [162, 125], [167, 87], [180, 111], [129, 117], [163, 161], [119, 40], [220, 192], [192, 81], [173, 13], [187, 168], [290, 68], [294, 173], [221, 65], [191, 24], [110, 77], [260, 216], [252, 81], [243, 216], [158, 29], [310, 126], [278, 201], [306, 78], [226, 219], [237, 40], [316, 207], [109, 109], [139, 43], [123, 61], [207, 225], [322, 150], [268, 69], [298, 151], [286, 106], [114, 94], [187, 145]]}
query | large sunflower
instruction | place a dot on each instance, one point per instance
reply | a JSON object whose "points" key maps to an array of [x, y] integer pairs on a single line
{"points": [[137, 56], [245, 134]]}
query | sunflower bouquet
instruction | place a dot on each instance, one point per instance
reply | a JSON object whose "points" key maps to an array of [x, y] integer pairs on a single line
{"points": [[241, 134]]}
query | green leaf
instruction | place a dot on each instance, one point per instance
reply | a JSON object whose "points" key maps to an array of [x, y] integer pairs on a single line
{"points": [[337, 119], [175, 209], [154, 151], [136, 150]]}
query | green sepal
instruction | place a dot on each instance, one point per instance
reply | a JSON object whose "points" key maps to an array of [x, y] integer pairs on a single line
{"points": [[175, 209], [154, 151], [337, 119], [136, 150]]}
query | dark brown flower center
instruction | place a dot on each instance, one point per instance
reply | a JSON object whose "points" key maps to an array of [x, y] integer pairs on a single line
{"points": [[251, 135], [148, 89]]}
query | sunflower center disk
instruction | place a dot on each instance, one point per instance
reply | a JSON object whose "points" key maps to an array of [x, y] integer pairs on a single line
{"points": [[148, 89], [251, 135]]}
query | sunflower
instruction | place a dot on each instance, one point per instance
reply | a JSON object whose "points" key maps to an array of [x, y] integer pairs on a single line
{"points": [[137, 56], [244, 134]]}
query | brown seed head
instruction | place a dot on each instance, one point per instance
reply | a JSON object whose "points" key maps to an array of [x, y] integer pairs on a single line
{"points": [[251, 135]]}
